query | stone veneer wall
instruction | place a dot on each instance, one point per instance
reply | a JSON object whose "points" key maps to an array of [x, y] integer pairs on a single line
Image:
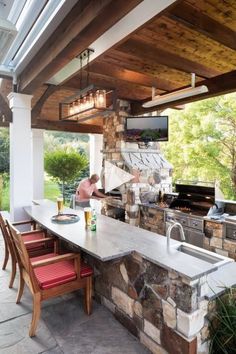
{"points": [[164, 310], [152, 219], [113, 143], [215, 236], [215, 240]]}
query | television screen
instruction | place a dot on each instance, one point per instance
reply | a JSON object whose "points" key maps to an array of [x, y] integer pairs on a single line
{"points": [[145, 129]]}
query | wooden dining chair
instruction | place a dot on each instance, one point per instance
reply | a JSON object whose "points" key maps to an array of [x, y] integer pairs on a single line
{"points": [[49, 276], [30, 238]]}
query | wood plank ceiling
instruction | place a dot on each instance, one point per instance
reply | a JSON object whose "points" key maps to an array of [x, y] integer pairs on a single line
{"points": [[193, 36]]}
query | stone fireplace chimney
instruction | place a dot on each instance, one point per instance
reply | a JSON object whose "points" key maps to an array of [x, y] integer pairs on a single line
{"points": [[151, 171]]}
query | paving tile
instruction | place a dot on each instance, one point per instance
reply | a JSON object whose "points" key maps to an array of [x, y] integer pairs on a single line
{"points": [[56, 350], [14, 337], [100, 333]]}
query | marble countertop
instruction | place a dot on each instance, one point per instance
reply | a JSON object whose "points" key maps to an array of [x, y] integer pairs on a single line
{"points": [[114, 239]]}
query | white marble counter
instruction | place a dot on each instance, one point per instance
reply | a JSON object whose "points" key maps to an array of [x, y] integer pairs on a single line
{"points": [[114, 239]]}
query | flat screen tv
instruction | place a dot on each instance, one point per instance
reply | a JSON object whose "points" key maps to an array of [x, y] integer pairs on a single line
{"points": [[145, 129]]}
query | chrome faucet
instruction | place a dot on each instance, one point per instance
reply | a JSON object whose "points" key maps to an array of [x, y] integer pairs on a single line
{"points": [[170, 228]]}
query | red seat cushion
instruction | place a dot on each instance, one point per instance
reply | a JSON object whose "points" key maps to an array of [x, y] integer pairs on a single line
{"points": [[58, 273], [85, 270], [33, 237], [43, 256], [55, 274], [31, 248]]}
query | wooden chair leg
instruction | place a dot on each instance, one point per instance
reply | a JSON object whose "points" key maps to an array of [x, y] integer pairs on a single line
{"points": [[13, 272], [88, 296], [21, 288], [36, 314], [6, 257]]}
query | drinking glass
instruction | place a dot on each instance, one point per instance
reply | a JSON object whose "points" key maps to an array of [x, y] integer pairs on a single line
{"points": [[60, 205], [87, 216]]}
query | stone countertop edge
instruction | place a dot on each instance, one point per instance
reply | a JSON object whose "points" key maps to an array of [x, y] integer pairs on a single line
{"points": [[217, 285], [152, 249]]}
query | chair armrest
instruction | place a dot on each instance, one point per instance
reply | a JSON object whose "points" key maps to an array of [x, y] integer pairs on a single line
{"points": [[41, 240], [33, 232], [23, 222], [56, 259]]}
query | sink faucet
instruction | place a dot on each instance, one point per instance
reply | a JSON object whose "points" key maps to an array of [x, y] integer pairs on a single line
{"points": [[170, 228]]}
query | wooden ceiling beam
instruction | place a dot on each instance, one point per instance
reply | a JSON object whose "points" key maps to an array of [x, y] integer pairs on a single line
{"points": [[217, 86], [5, 111], [36, 110], [86, 22], [146, 51], [68, 126], [193, 18], [123, 89], [131, 76]]}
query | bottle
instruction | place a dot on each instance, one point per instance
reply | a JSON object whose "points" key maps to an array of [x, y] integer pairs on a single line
{"points": [[93, 221]]}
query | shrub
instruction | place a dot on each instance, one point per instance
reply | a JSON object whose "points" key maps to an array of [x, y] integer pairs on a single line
{"points": [[65, 166]]}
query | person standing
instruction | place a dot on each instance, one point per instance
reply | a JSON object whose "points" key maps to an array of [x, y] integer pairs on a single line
{"points": [[87, 190]]}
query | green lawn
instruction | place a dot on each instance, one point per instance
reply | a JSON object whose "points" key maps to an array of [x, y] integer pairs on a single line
{"points": [[51, 192]]}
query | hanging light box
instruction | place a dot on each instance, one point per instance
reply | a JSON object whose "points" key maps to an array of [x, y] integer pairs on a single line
{"points": [[88, 102]]}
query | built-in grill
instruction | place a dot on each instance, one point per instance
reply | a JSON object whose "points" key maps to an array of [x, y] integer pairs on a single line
{"points": [[188, 208], [193, 199]]}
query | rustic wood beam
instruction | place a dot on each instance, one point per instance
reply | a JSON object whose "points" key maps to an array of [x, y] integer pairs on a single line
{"points": [[36, 110], [131, 76], [68, 126], [125, 90], [143, 50], [6, 76], [217, 86], [5, 111], [84, 24], [193, 18]]}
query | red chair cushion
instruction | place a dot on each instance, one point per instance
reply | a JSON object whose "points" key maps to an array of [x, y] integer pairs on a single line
{"points": [[43, 256], [33, 237], [55, 274], [58, 273], [85, 270]]}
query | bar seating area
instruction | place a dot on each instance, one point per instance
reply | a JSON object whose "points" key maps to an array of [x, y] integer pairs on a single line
{"points": [[119, 237], [63, 326]]}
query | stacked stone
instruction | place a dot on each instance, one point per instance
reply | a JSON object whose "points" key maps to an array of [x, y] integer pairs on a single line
{"points": [[166, 311], [132, 207], [152, 219], [215, 240]]}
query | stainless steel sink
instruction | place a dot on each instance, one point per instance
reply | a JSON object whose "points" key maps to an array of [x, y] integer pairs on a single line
{"points": [[202, 254]]}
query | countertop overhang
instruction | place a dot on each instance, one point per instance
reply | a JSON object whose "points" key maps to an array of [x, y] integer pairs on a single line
{"points": [[114, 239]]}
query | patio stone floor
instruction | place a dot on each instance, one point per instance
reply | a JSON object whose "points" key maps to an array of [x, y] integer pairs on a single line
{"points": [[63, 327]]}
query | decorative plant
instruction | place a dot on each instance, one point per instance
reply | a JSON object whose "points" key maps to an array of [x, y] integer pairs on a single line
{"points": [[64, 166], [223, 324]]}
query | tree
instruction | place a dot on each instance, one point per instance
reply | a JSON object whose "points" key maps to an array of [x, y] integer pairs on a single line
{"points": [[64, 165], [202, 143], [4, 150]]}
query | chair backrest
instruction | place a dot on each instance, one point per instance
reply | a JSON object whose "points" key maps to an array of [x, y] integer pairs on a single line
{"points": [[6, 235], [22, 254]]}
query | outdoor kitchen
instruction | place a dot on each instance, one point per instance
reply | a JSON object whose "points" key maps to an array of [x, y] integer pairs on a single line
{"points": [[148, 200]]}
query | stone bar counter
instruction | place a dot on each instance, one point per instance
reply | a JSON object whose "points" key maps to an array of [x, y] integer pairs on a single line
{"points": [[161, 295]]}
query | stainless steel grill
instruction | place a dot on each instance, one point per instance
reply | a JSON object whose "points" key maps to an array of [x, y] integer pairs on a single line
{"points": [[188, 208]]}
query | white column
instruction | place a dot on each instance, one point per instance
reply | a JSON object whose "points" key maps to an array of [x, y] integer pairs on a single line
{"points": [[95, 147], [38, 163], [21, 177]]}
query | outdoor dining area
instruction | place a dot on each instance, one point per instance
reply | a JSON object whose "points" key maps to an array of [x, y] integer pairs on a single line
{"points": [[117, 176], [43, 279]]}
